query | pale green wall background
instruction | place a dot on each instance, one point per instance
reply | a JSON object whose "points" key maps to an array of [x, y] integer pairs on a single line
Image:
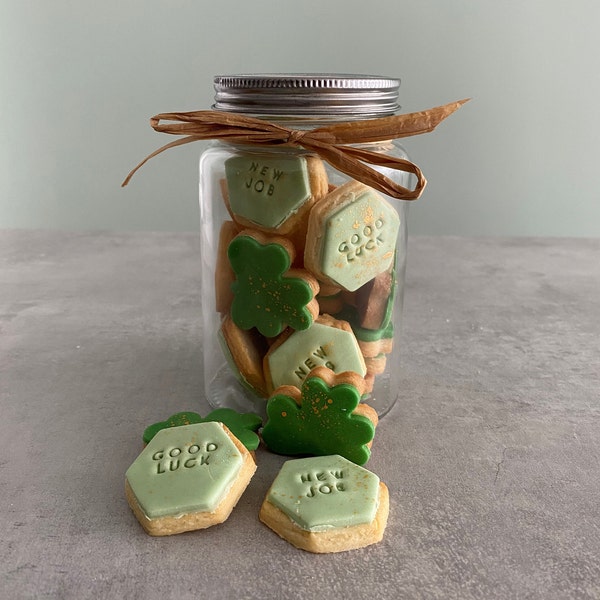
{"points": [[79, 80]]}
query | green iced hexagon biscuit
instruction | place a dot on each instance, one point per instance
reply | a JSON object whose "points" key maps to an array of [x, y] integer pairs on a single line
{"points": [[352, 235], [328, 342], [266, 190], [326, 504], [188, 477]]}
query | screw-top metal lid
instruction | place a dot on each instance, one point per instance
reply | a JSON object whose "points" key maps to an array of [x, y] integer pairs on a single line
{"points": [[307, 94]]}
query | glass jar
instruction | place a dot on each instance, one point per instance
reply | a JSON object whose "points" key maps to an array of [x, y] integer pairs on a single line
{"points": [[302, 266]]}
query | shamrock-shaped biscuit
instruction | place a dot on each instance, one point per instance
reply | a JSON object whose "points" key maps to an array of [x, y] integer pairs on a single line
{"points": [[322, 418], [242, 425], [268, 294]]}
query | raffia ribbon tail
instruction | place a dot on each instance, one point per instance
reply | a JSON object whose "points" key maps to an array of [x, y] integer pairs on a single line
{"points": [[355, 162], [180, 142]]}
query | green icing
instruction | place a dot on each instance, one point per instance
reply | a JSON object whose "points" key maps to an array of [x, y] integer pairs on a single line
{"points": [[324, 492], [322, 424], [320, 345], [185, 469], [359, 240], [263, 297], [266, 190], [176, 420], [243, 425]]}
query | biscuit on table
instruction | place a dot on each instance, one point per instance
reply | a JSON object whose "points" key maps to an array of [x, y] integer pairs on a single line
{"points": [[326, 504], [324, 416], [188, 478]]}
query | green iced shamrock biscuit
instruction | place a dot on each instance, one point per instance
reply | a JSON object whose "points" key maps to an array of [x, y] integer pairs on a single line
{"points": [[268, 294], [324, 417], [242, 425]]}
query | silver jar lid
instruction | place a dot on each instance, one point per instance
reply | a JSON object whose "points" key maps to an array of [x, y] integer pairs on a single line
{"points": [[307, 94]]}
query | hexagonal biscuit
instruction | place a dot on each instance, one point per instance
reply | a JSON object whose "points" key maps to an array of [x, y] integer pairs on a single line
{"points": [[326, 504], [274, 193], [351, 236], [327, 342], [187, 478]]}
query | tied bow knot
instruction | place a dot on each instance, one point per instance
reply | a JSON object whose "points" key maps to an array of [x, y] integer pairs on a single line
{"points": [[338, 144], [295, 136]]}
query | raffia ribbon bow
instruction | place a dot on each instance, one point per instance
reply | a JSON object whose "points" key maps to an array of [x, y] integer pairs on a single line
{"points": [[335, 144]]}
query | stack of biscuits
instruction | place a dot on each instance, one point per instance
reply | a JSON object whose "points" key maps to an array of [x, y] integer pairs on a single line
{"points": [[305, 273]]}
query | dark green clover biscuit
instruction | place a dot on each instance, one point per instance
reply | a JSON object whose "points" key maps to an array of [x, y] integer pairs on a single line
{"points": [[322, 418], [268, 294], [242, 425]]}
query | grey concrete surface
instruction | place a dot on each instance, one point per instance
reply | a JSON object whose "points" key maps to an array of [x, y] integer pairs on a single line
{"points": [[491, 453]]}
